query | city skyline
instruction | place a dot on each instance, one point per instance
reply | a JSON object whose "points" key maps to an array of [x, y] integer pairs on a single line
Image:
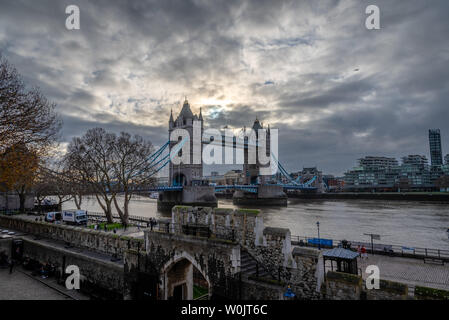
{"points": [[335, 90]]}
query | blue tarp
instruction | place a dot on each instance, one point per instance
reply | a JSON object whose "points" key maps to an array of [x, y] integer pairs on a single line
{"points": [[322, 242]]}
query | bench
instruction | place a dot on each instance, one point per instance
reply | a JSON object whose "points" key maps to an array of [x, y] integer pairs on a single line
{"points": [[434, 261]]}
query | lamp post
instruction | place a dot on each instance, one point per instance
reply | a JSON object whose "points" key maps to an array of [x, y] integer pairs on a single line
{"points": [[319, 241]]}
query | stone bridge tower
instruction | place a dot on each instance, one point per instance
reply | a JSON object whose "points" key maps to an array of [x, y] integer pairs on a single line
{"points": [[185, 174], [251, 172]]}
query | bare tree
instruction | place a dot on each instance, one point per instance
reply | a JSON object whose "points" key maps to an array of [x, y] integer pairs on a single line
{"points": [[61, 186], [110, 165], [132, 169], [77, 187], [43, 187], [92, 156], [26, 116]]}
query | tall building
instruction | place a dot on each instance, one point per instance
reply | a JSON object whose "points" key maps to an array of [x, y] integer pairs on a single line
{"points": [[446, 159], [436, 155], [415, 170], [378, 172], [377, 163]]}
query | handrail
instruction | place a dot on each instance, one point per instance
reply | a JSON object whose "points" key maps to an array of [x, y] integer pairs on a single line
{"points": [[387, 248]]}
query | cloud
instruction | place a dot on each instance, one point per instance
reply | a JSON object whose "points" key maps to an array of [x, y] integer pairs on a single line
{"points": [[336, 90]]}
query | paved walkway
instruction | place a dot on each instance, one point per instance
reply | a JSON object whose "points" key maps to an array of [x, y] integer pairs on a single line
{"points": [[18, 286], [410, 271]]}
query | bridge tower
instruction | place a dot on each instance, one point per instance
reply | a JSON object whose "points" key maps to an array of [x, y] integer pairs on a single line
{"points": [[185, 174], [251, 172]]}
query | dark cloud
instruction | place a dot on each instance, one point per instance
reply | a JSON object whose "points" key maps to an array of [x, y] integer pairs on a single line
{"points": [[335, 90]]}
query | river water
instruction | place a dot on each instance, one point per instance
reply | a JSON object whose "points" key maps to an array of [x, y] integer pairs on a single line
{"points": [[413, 224]]}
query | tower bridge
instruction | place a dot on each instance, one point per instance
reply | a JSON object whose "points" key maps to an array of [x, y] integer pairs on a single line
{"points": [[185, 180]]}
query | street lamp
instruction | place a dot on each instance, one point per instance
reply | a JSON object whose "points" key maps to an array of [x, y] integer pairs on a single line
{"points": [[319, 241]]}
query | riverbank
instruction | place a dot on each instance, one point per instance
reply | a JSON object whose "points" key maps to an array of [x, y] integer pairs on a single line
{"points": [[442, 197]]}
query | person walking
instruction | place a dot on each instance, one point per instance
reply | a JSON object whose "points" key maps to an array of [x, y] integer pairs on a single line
{"points": [[11, 265], [359, 251], [364, 254]]}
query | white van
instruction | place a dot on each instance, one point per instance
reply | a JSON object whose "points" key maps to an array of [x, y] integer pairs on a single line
{"points": [[77, 217], [53, 216]]}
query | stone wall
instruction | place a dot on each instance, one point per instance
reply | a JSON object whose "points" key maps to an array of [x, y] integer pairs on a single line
{"points": [[342, 286], [345, 286], [257, 290], [5, 246], [242, 225], [304, 278], [94, 272], [389, 290], [99, 241], [216, 259]]}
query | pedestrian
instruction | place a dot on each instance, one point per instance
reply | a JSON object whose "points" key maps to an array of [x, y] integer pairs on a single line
{"points": [[11, 265], [105, 227], [138, 226], [358, 250], [364, 254], [115, 231]]}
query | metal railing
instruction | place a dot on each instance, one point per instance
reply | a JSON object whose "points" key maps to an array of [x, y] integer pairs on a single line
{"points": [[101, 216], [379, 248]]}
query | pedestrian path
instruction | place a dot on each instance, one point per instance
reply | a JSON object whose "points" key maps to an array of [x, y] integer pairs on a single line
{"points": [[413, 272]]}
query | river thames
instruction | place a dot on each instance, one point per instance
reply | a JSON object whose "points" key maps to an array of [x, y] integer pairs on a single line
{"points": [[415, 224]]}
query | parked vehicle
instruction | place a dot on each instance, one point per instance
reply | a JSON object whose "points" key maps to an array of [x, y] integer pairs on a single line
{"points": [[78, 217], [53, 216]]}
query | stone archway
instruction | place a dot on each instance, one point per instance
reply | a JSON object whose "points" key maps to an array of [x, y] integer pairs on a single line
{"points": [[179, 179], [177, 277]]}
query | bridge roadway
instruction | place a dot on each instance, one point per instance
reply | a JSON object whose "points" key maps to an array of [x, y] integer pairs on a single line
{"points": [[250, 188]]}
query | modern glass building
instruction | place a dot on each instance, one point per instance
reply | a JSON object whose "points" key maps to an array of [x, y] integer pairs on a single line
{"points": [[436, 154]]}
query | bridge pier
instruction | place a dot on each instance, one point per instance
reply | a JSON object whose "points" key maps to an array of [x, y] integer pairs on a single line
{"points": [[267, 195], [199, 196]]}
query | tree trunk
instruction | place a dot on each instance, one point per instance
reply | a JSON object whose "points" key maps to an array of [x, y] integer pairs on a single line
{"points": [[22, 198], [123, 215], [106, 207], [109, 211], [78, 199]]}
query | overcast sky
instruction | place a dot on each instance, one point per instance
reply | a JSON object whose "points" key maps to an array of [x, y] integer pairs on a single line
{"points": [[335, 90]]}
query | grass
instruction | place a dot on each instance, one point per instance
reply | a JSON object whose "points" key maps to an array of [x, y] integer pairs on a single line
{"points": [[249, 211], [109, 226], [11, 212], [198, 291], [431, 293]]}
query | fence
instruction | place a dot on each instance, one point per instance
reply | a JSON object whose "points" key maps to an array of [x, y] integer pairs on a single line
{"points": [[101, 216], [379, 248]]}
